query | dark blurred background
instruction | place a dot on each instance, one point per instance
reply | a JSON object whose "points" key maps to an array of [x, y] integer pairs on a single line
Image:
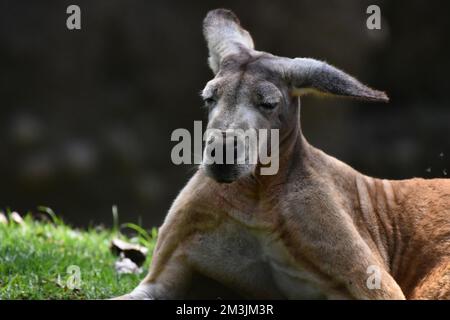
{"points": [[86, 116]]}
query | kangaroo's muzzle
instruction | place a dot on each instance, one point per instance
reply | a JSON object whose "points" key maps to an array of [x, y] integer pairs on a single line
{"points": [[225, 157]]}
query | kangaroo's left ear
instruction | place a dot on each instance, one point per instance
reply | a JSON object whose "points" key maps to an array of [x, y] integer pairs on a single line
{"points": [[309, 75], [224, 36]]}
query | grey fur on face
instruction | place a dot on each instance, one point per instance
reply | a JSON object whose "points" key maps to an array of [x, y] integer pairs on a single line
{"points": [[257, 90]]}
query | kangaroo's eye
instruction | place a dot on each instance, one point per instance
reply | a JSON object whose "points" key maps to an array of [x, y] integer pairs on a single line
{"points": [[268, 105], [209, 101]]}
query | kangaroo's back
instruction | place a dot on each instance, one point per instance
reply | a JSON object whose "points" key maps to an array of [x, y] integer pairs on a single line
{"points": [[422, 253]]}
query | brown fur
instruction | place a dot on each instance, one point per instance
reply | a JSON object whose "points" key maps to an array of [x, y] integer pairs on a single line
{"points": [[354, 221], [313, 229]]}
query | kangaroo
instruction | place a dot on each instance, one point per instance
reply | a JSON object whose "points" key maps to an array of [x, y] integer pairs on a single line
{"points": [[315, 229]]}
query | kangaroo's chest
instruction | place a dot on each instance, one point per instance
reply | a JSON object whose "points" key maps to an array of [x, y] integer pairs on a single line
{"points": [[255, 261], [289, 275]]}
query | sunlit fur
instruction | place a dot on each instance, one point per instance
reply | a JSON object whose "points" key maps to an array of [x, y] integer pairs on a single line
{"points": [[314, 229]]}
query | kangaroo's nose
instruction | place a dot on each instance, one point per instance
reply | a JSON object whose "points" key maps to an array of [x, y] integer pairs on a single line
{"points": [[228, 146]]}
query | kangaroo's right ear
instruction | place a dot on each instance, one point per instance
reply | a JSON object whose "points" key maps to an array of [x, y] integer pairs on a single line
{"points": [[224, 36]]}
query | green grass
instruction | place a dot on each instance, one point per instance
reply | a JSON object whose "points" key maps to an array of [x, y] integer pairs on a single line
{"points": [[36, 260]]}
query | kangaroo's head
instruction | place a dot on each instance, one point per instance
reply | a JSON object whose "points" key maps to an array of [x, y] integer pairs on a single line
{"points": [[254, 90]]}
